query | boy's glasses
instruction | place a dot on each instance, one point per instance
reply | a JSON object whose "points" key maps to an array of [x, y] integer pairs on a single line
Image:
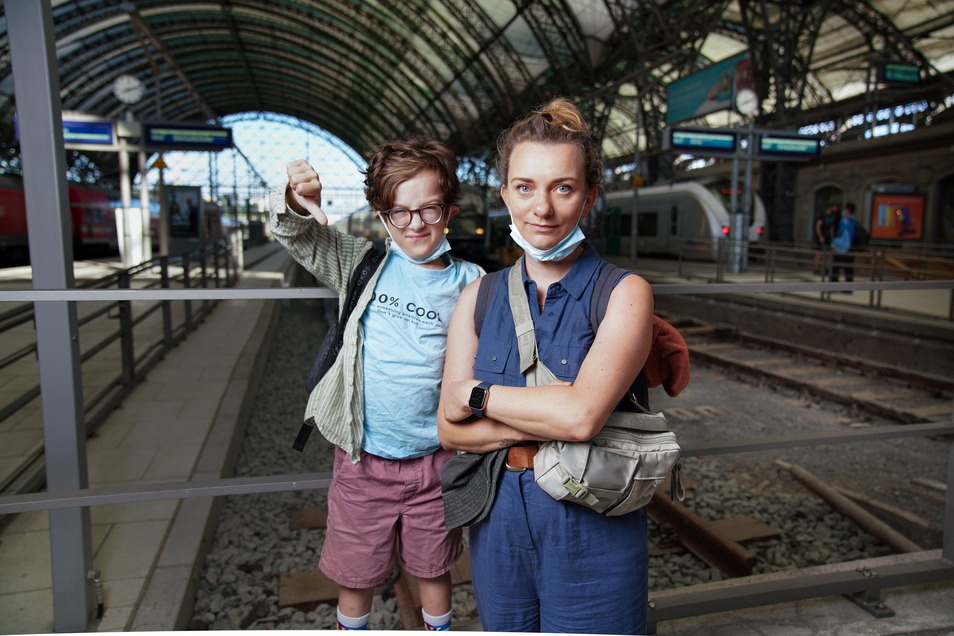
{"points": [[401, 217]]}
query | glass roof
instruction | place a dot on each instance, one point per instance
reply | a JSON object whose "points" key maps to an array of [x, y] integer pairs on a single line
{"points": [[462, 70]]}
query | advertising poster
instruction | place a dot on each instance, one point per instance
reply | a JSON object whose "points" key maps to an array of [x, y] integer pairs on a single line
{"points": [[709, 90], [897, 216], [184, 204]]}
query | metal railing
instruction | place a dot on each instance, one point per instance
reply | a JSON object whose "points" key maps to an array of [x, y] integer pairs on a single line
{"points": [[122, 340], [859, 579], [783, 261]]}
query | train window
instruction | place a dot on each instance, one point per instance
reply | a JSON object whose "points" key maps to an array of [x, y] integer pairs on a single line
{"points": [[626, 225], [648, 224]]}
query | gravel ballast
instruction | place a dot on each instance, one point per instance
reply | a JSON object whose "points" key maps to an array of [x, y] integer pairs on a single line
{"points": [[253, 544]]}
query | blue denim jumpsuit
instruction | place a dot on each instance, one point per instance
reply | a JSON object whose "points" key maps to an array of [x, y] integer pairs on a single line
{"points": [[541, 565]]}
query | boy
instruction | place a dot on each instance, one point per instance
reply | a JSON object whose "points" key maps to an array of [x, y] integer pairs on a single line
{"points": [[378, 402]]}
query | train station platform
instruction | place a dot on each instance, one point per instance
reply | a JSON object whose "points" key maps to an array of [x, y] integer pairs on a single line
{"points": [[179, 425]]}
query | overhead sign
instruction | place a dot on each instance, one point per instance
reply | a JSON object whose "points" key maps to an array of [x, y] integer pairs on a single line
{"points": [[898, 73], [789, 146], [83, 131], [88, 132], [709, 90], [703, 141], [186, 137]]}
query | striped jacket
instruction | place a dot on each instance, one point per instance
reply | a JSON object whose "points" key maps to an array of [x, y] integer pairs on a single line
{"points": [[336, 405]]}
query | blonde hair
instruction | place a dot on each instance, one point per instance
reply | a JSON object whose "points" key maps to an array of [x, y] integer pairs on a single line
{"points": [[559, 121]]}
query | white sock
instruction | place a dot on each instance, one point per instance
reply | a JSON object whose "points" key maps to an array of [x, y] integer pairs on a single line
{"points": [[437, 623], [353, 623]]}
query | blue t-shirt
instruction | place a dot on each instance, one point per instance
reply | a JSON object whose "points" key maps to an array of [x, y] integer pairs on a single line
{"points": [[563, 331], [405, 340]]}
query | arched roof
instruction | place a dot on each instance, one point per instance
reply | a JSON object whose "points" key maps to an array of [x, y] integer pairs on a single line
{"points": [[462, 70]]}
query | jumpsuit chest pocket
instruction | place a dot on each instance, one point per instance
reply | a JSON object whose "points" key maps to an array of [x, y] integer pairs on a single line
{"points": [[492, 362], [564, 361]]}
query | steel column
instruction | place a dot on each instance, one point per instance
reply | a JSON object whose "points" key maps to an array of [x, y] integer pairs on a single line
{"points": [[30, 29]]}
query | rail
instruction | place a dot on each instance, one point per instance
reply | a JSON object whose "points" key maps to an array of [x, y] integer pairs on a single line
{"points": [[783, 261], [860, 579], [118, 339]]}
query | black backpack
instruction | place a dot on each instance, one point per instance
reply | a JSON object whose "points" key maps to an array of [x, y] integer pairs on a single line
{"points": [[601, 295], [331, 345], [861, 237]]}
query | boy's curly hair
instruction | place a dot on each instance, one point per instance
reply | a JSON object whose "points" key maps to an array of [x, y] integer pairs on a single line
{"points": [[395, 162]]}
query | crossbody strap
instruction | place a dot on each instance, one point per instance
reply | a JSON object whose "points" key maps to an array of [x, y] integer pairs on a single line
{"points": [[522, 320]]}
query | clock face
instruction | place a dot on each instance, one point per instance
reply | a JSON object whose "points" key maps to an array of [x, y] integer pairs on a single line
{"points": [[128, 89], [746, 101]]}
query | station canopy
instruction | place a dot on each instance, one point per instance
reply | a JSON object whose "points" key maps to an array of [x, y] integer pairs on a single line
{"points": [[368, 71]]}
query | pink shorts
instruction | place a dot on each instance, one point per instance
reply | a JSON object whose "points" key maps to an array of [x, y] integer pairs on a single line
{"points": [[378, 504]]}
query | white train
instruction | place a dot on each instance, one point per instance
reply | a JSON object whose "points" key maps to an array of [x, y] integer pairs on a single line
{"points": [[687, 219]]}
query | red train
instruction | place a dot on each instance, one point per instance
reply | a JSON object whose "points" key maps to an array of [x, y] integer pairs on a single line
{"points": [[91, 220]]}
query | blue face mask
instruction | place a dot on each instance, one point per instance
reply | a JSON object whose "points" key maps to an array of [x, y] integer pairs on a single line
{"points": [[439, 250], [556, 253]]}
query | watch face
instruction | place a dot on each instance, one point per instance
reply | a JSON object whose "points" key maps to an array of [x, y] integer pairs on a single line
{"points": [[128, 89], [477, 397]]}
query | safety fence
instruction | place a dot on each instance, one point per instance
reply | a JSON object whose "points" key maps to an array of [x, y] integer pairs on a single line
{"points": [[780, 262], [121, 340], [859, 579]]}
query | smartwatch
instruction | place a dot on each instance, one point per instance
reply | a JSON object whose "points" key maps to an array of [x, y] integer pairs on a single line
{"points": [[478, 398]]}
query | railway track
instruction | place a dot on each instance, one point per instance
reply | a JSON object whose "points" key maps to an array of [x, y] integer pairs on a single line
{"points": [[866, 387], [742, 516]]}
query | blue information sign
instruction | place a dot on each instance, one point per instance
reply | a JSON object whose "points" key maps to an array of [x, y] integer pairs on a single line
{"points": [[789, 146], [702, 141], [186, 137], [88, 132]]}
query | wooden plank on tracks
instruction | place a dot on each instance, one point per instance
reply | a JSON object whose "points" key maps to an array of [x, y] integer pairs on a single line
{"points": [[308, 519], [718, 346], [305, 589], [933, 410], [798, 372], [744, 529], [695, 330]]}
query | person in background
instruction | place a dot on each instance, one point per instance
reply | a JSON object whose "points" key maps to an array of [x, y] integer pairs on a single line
{"points": [[377, 404], [824, 231], [538, 564], [841, 244]]}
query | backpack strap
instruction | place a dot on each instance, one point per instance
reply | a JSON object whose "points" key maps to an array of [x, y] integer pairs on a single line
{"points": [[608, 279], [359, 280], [485, 291], [605, 284]]}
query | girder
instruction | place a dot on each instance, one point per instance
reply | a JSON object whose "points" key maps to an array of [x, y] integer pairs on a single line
{"points": [[462, 70]]}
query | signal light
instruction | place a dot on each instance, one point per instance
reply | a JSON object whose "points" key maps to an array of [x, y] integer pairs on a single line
{"points": [[725, 230]]}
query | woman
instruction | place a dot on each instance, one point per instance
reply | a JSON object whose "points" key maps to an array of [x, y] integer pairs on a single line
{"points": [[539, 564]]}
